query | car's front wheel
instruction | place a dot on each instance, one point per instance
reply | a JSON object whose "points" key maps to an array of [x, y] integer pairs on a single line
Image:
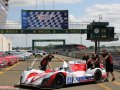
{"points": [[59, 81], [97, 75]]}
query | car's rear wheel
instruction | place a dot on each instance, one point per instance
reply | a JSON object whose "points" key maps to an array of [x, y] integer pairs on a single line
{"points": [[97, 75], [59, 81]]}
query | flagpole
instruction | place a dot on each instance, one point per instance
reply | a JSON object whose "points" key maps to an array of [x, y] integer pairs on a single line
{"points": [[100, 17]]}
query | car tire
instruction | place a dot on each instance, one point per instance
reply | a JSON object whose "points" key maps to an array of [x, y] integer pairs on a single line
{"points": [[97, 75], [59, 81]]}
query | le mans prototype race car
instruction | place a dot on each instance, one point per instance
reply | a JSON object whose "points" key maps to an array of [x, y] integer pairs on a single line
{"points": [[70, 73]]}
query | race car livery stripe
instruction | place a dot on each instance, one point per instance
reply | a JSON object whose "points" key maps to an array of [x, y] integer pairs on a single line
{"points": [[40, 76], [72, 79], [64, 73], [78, 67], [31, 75], [51, 79]]}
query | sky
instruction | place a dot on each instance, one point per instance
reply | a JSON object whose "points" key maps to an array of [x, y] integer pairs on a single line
{"points": [[84, 11]]}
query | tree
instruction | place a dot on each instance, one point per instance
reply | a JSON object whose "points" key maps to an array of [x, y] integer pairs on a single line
{"points": [[103, 46], [91, 47]]}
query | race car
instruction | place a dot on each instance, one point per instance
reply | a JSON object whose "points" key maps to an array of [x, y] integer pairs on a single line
{"points": [[69, 73]]}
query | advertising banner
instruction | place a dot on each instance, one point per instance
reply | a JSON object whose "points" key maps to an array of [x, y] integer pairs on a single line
{"points": [[44, 19]]}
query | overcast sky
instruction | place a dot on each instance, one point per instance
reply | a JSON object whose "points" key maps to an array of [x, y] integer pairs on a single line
{"points": [[79, 11]]}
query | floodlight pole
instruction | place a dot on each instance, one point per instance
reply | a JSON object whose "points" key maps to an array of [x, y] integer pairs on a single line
{"points": [[96, 47], [36, 4], [2, 43], [100, 17], [33, 44], [81, 39], [26, 41]]}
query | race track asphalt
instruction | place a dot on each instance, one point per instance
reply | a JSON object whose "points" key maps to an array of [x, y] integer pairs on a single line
{"points": [[9, 77]]}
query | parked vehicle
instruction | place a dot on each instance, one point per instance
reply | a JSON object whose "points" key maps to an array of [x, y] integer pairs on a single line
{"points": [[2, 64], [32, 52], [3, 60], [24, 55], [40, 53]]}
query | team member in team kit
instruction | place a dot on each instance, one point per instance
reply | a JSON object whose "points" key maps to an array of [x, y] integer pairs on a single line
{"points": [[109, 63], [85, 57], [96, 62], [46, 61]]}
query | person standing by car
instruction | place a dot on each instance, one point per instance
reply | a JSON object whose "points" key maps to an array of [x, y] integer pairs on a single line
{"points": [[109, 63], [95, 62], [46, 61], [85, 57]]}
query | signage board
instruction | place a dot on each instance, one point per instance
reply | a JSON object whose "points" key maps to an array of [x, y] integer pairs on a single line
{"points": [[44, 19]]}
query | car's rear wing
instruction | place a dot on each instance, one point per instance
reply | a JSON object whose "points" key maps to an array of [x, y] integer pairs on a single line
{"points": [[77, 61]]}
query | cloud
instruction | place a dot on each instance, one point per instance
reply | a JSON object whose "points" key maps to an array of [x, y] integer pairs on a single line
{"points": [[73, 18], [33, 2], [109, 13], [75, 23]]}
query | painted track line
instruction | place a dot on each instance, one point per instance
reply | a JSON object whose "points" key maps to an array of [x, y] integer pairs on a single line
{"points": [[104, 86], [117, 83], [7, 69], [8, 88], [1, 73]]}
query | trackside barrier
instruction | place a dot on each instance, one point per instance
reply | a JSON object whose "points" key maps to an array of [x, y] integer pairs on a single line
{"points": [[116, 62]]}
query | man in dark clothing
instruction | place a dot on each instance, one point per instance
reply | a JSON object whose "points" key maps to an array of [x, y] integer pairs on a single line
{"points": [[96, 62], [85, 57], [46, 61], [109, 63]]}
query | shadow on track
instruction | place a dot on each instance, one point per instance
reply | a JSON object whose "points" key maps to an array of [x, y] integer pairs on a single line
{"points": [[67, 86]]}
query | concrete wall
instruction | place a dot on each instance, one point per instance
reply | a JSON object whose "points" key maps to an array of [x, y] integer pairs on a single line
{"points": [[3, 12], [5, 43]]}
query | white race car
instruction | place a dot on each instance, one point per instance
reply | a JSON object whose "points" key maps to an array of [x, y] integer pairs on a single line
{"points": [[70, 73]]}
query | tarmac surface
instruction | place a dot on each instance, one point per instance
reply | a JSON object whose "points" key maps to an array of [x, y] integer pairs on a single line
{"points": [[10, 76]]}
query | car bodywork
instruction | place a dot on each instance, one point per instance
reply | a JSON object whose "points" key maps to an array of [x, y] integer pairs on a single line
{"points": [[3, 61], [2, 65], [40, 53], [74, 72]]}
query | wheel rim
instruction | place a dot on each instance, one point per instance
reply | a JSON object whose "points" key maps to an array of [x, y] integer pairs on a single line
{"points": [[59, 80], [97, 75]]}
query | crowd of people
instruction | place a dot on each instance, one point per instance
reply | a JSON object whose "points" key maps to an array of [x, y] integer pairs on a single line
{"points": [[95, 60]]}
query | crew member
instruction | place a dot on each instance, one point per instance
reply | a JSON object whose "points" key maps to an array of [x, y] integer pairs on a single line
{"points": [[85, 57], [95, 62], [109, 63], [46, 61]]}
